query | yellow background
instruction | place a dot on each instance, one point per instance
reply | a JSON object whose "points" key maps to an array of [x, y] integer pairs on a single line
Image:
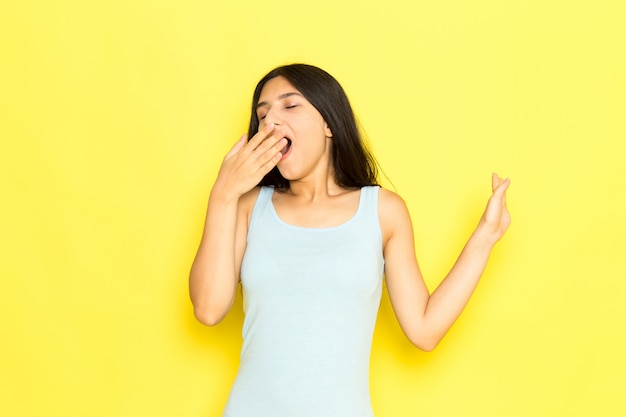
{"points": [[115, 115]]}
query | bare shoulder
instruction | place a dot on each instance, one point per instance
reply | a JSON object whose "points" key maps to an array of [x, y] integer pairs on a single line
{"points": [[392, 213], [249, 198], [246, 203], [390, 204], [245, 206]]}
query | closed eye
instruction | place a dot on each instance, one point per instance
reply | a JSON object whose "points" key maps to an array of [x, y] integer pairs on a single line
{"points": [[261, 116]]}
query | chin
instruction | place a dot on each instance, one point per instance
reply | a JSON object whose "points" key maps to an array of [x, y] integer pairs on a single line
{"points": [[283, 173], [287, 176]]}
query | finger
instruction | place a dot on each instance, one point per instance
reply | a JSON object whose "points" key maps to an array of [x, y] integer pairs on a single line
{"points": [[500, 191], [272, 152], [261, 135], [271, 163], [495, 181], [237, 146], [271, 141], [270, 158]]}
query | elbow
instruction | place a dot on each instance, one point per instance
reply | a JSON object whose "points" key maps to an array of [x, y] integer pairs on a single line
{"points": [[207, 317], [425, 342], [425, 345], [210, 307], [210, 310]]}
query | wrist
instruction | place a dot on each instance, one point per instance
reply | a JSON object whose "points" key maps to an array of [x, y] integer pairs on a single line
{"points": [[223, 194], [484, 236]]}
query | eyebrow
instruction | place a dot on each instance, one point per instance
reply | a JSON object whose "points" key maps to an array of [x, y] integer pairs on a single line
{"points": [[282, 96]]}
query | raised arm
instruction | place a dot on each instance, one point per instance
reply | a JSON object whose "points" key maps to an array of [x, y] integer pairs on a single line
{"points": [[426, 318], [214, 274]]}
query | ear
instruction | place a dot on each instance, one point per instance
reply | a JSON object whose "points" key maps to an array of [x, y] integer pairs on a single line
{"points": [[328, 132]]}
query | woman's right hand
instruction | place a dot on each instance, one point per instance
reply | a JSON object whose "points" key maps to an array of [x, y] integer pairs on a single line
{"points": [[214, 275], [245, 165]]}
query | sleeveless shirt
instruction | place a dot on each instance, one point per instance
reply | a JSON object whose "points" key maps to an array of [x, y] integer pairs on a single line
{"points": [[310, 296]]}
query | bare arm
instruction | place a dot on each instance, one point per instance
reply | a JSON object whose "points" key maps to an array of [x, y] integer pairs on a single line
{"points": [[426, 318], [214, 274]]}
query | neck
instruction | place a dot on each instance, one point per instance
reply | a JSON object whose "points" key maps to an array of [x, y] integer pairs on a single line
{"points": [[313, 189]]}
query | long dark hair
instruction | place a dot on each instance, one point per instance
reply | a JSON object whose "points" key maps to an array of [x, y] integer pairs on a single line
{"points": [[354, 166]]}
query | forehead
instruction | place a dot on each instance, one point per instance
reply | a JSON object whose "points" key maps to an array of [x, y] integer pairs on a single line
{"points": [[275, 88]]}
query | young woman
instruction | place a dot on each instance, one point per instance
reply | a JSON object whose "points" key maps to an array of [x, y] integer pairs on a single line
{"points": [[296, 213]]}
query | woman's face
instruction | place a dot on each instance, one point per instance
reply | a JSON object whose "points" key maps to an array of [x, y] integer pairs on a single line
{"points": [[308, 151]]}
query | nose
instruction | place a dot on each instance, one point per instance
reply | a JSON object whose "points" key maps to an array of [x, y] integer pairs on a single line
{"points": [[272, 117]]}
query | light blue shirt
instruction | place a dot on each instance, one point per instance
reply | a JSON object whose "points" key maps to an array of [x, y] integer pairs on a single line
{"points": [[311, 296]]}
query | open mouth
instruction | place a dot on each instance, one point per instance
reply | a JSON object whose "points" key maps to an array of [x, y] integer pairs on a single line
{"points": [[287, 147]]}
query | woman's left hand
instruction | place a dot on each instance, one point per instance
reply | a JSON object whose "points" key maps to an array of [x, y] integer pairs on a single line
{"points": [[496, 218]]}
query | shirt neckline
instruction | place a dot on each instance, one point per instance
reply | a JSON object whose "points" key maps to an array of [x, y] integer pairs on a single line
{"points": [[293, 226]]}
